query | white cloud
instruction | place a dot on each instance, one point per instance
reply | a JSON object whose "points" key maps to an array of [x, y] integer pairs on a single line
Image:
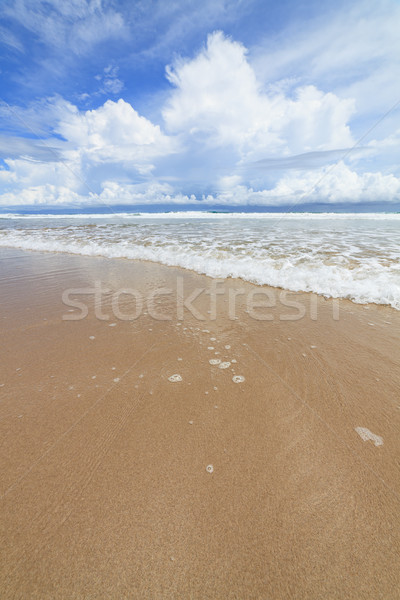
{"points": [[155, 193], [112, 193], [28, 173], [114, 132], [51, 195], [218, 99], [96, 144], [340, 184], [330, 184], [7, 176], [76, 25], [37, 119], [356, 54], [110, 83]]}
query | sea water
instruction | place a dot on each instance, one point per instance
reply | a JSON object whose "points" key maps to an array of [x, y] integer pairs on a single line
{"points": [[354, 256]]}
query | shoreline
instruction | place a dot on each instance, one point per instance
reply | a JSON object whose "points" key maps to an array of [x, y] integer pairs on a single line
{"points": [[105, 490], [324, 296]]}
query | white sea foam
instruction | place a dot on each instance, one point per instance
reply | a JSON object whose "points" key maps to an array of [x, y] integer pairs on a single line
{"points": [[224, 365], [175, 378], [347, 256], [365, 434]]}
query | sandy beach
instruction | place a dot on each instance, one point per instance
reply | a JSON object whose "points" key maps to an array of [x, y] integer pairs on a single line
{"points": [[271, 474]]}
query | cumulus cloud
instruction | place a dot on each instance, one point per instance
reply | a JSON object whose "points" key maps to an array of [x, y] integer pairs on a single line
{"points": [[114, 132], [113, 193], [327, 185], [218, 99], [155, 193], [28, 173], [331, 184], [46, 195], [91, 145]]}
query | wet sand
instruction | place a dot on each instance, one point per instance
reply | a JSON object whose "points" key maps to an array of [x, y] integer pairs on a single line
{"points": [[105, 490]]}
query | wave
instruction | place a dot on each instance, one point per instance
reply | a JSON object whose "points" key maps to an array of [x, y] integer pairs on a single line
{"points": [[366, 280]]}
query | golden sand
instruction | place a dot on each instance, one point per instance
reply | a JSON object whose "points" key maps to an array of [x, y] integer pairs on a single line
{"points": [[131, 467]]}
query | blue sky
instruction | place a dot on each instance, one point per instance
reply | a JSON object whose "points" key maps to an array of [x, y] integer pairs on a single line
{"points": [[244, 104]]}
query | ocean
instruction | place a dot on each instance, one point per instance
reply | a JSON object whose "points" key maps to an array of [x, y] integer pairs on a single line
{"points": [[354, 256]]}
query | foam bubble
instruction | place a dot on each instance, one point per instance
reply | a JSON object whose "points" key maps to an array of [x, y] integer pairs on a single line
{"points": [[174, 378], [224, 365], [210, 469], [214, 361], [238, 379]]}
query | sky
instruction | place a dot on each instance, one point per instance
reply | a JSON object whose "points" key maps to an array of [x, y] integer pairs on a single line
{"points": [[219, 104]]}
